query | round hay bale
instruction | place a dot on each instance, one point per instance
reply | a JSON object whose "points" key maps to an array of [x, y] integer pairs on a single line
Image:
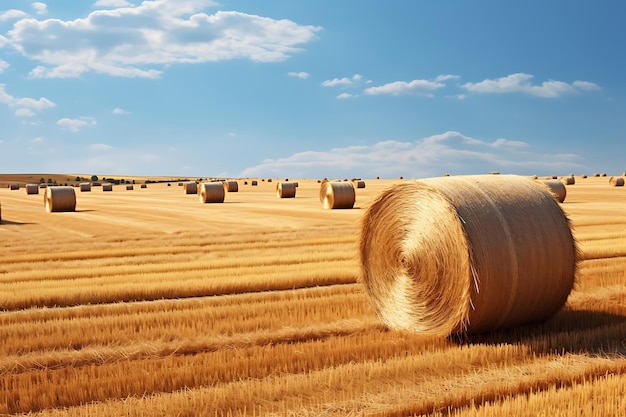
{"points": [[269, 180], [337, 195], [85, 187], [466, 254], [130, 187], [107, 186], [616, 181], [14, 187], [191, 187], [360, 184], [231, 186], [286, 189], [32, 189], [59, 198], [144, 186], [557, 188], [534, 177], [255, 183], [583, 176], [568, 180], [43, 185], [211, 192]]}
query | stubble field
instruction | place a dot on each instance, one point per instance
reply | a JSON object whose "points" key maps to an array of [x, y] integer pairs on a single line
{"points": [[145, 302]]}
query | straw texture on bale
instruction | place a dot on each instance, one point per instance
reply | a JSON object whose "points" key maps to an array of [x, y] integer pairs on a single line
{"points": [[14, 187], [337, 195], [568, 180], [231, 186], [191, 187], [286, 189], [85, 187], [616, 181], [211, 192], [32, 189], [466, 254], [557, 188], [59, 198]]}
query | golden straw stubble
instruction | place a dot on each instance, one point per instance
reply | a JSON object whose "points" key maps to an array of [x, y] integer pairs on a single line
{"points": [[466, 254]]}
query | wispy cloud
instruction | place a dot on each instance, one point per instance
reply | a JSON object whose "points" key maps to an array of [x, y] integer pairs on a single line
{"points": [[12, 14], [418, 87], [118, 110], [343, 82], [3, 65], [26, 106], [303, 75], [100, 147], [24, 113], [345, 96], [139, 41], [435, 155], [39, 7], [112, 3], [522, 83], [74, 125]]}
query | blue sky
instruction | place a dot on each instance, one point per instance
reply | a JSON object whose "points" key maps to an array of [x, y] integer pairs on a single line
{"points": [[312, 88]]}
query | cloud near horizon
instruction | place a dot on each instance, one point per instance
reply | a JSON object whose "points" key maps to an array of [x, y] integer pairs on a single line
{"points": [[522, 83], [139, 41], [450, 152]]}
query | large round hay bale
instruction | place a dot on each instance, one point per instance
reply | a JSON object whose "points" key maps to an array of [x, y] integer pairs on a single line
{"points": [[211, 192], [569, 180], [191, 187], [557, 188], [85, 187], [337, 195], [286, 189], [466, 254], [616, 181], [32, 189], [231, 186], [59, 198]]}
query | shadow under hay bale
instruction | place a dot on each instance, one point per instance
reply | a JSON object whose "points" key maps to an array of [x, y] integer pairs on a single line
{"points": [[337, 195], [466, 254], [557, 188], [286, 189], [59, 198], [211, 192]]}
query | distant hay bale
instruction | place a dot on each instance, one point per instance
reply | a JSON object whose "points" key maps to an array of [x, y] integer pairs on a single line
{"points": [[191, 187], [231, 186], [596, 175], [59, 198], [603, 174], [337, 195], [533, 177], [616, 181], [494, 173], [43, 185], [269, 180], [466, 254], [255, 183], [211, 192], [130, 187], [360, 184], [286, 189], [583, 176], [144, 186], [85, 187], [623, 174], [32, 189], [14, 187], [107, 186], [568, 180], [557, 188]]}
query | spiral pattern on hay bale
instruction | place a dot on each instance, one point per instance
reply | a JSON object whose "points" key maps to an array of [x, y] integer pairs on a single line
{"points": [[32, 189], [59, 198], [466, 254], [337, 195], [557, 188], [191, 187], [286, 189], [211, 192], [616, 181], [231, 186]]}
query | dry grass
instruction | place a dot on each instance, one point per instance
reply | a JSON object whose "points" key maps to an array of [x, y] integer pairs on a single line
{"points": [[144, 304]]}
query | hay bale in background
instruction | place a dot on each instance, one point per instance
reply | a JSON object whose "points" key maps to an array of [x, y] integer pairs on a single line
{"points": [[211, 192], [231, 186], [286, 189], [144, 186], [255, 183], [14, 187], [557, 188], [568, 180], [130, 187], [616, 181], [85, 187], [360, 184], [32, 189], [59, 198], [337, 195], [466, 254], [191, 187], [107, 186], [583, 176]]}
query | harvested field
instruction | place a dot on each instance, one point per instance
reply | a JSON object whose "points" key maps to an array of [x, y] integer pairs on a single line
{"points": [[149, 303]]}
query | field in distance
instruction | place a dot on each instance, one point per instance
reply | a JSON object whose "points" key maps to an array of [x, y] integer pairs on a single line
{"points": [[147, 302]]}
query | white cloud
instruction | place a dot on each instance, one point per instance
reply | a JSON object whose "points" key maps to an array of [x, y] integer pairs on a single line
{"points": [[139, 41], [25, 105], [450, 152], [345, 95], [303, 75], [342, 82], [24, 112], [74, 125], [100, 147], [118, 110], [38, 139], [12, 14], [3, 65], [522, 83], [40, 8], [415, 87], [112, 3]]}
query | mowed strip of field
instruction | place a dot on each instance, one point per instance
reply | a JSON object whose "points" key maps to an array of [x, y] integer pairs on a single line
{"points": [[146, 302]]}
